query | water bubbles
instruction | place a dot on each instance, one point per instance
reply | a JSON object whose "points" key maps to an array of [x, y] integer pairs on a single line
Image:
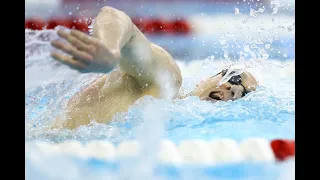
{"points": [[276, 5], [285, 55], [225, 54], [264, 54], [270, 40], [236, 11], [254, 13], [223, 41], [267, 46], [246, 48], [275, 10], [70, 13], [245, 21], [187, 113], [254, 46]]}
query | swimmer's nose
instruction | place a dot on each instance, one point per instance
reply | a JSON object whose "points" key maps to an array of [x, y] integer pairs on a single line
{"points": [[236, 92]]}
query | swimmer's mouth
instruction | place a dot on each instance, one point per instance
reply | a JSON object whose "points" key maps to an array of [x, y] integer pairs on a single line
{"points": [[215, 95]]}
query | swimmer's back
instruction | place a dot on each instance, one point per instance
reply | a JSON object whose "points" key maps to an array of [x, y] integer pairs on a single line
{"points": [[113, 93]]}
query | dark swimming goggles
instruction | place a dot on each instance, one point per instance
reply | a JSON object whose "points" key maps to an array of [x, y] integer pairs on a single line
{"points": [[234, 80]]}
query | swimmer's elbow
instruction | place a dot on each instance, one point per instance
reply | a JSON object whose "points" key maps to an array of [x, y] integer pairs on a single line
{"points": [[115, 14], [109, 9]]}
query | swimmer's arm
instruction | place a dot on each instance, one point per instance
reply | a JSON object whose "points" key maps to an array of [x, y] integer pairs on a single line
{"points": [[124, 44], [140, 58]]}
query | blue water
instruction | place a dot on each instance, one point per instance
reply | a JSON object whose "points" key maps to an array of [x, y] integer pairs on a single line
{"points": [[268, 112], [97, 169]]}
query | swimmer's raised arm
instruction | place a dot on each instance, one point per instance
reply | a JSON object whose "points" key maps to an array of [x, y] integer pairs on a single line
{"points": [[116, 41]]}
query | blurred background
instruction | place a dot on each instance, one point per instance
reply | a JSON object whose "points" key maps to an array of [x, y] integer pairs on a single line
{"points": [[188, 29]]}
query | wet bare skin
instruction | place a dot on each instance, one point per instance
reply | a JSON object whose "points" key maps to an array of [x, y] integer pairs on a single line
{"points": [[136, 66], [209, 89]]}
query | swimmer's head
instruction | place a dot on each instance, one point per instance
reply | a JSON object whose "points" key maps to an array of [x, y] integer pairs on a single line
{"points": [[236, 87]]}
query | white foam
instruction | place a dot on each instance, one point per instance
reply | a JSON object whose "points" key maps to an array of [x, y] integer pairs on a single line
{"points": [[243, 26]]}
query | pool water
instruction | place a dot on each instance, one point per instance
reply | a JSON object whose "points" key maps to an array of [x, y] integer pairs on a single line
{"points": [[268, 112]]}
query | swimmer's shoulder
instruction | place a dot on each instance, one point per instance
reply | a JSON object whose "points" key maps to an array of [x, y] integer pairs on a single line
{"points": [[165, 60]]}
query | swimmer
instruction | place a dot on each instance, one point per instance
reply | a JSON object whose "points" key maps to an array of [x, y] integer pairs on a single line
{"points": [[132, 65]]}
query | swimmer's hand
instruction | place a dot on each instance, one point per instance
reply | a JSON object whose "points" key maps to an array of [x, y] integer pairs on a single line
{"points": [[84, 53]]}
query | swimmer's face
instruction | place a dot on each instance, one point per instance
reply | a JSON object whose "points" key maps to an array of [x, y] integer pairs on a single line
{"points": [[234, 89]]}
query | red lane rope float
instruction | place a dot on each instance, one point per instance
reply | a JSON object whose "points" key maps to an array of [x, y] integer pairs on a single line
{"points": [[34, 24], [147, 26], [181, 27], [283, 149], [81, 24], [52, 23], [78, 23], [159, 26]]}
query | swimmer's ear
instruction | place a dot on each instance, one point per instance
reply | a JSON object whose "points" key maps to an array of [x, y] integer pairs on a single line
{"points": [[248, 81]]}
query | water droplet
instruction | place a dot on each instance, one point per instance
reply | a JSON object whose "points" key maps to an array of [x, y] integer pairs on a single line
{"points": [[70, 13], [253, 13], [275, 10], [246, 48], [267, 46], [253, 46], [236, 11], [225, 54], [222, 41], [265, 56]]}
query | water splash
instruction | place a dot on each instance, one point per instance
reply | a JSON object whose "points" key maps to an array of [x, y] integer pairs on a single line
{"points": [[268, 112], [234, 70]]}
